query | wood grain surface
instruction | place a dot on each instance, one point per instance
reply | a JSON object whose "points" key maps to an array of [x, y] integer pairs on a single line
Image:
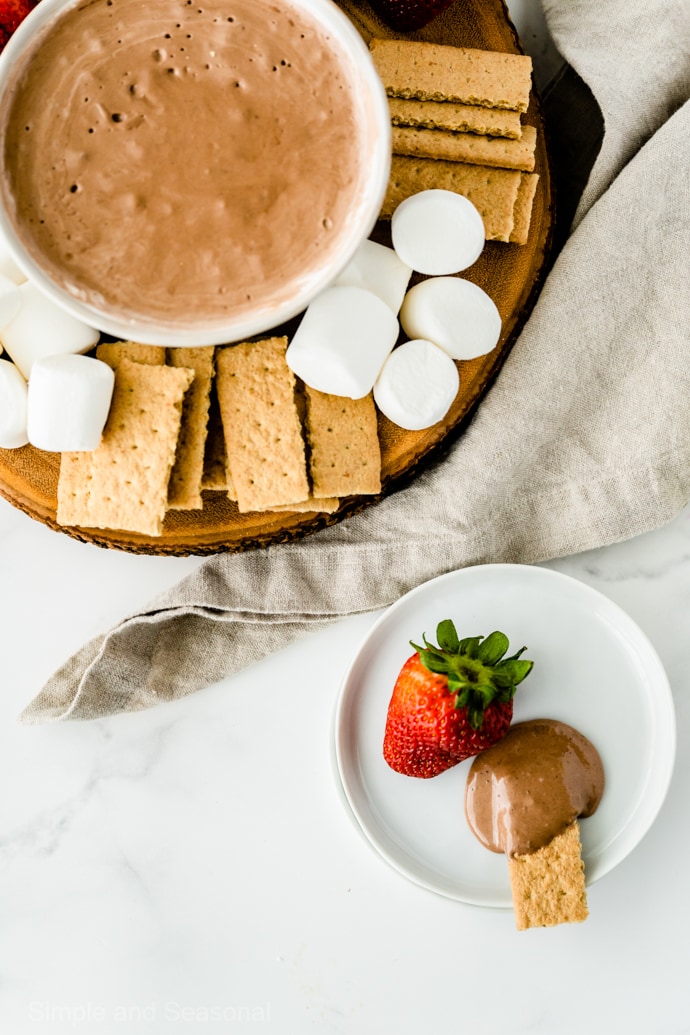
{"points": [[511, 274]]}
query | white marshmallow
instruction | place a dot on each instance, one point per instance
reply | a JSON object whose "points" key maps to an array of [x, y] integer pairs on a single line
{"points": [[8, 267], [417, 385], [379, 269], [453, 313], [42, 328], [13, 398], [69, 400], [343, 341], [10, 301], [437, 232]]}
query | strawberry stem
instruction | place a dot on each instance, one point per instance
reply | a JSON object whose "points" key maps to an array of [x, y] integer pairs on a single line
{"points": [[477, 670]]}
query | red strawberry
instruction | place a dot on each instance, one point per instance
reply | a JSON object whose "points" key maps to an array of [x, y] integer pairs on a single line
{"points": [[406, 15], [12, 12], [451, 702]]}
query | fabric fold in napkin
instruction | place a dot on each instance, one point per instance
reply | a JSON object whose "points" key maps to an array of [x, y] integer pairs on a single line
{"points": [[583, 440]]}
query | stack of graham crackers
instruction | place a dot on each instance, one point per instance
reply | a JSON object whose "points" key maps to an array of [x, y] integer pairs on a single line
{"points": [[232, 419], [457, 125]]}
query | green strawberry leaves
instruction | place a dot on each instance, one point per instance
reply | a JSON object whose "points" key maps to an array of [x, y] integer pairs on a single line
{"points": [[511, 671], [447, 636], [477, 670], [492, 649]]}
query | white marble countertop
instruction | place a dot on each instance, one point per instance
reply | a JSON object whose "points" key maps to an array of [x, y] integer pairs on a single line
{"points": [[192, 868], [157, 867]]}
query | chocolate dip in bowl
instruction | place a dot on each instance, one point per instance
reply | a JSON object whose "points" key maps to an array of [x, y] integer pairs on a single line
{"points": [[189, 172]]}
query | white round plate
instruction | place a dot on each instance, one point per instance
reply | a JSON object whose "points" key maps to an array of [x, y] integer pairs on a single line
{"points": [[593, 668]]}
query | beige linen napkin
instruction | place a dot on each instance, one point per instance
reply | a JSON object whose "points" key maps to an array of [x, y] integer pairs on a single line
{"points": [[583, 440]]}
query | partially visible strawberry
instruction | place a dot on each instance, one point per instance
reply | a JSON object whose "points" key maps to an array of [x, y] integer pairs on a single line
{"points": [[406, 15], [451, 701], [12, 12]]}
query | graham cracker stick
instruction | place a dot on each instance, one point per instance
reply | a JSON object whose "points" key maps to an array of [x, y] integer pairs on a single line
{"points": [[345, 457], [113, 352], [467, 147], [184, 488], [548, 886], [124, 483], [436, 72], [263, 435], [460, 118], [522, 213], [493, 191]]}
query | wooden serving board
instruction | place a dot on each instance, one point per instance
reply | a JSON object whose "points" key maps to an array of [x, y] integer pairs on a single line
{"points": [[512, 275]]}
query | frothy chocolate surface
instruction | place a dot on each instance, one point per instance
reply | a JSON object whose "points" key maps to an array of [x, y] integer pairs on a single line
{"points": [[528, 787], [182, 158]]}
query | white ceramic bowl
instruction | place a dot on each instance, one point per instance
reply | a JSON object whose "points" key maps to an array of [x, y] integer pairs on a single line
{"points": [[372, 107]]}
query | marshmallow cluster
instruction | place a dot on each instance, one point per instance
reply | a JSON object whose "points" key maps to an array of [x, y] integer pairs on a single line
{"points": [[346, 342], [57, 399], [51, 395]]}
